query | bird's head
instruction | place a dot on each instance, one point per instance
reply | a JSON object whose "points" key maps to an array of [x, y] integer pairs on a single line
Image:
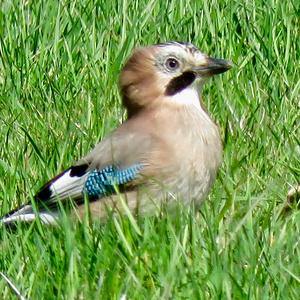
{"points": [[172, 72]]}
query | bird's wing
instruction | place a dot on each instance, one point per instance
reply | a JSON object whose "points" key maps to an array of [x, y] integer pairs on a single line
{"points": [[117, 163]]}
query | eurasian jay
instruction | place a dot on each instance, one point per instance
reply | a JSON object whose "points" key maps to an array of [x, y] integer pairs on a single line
{"points": [[168, 148]]}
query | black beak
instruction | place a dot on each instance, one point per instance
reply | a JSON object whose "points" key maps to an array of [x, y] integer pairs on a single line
{"points": [[212, 67]]}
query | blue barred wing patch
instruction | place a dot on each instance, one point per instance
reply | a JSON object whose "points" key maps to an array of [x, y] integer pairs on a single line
{"points": [[103, 182]]}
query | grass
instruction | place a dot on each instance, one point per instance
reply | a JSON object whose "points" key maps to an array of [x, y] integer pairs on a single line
{"points": [[58, 96]]}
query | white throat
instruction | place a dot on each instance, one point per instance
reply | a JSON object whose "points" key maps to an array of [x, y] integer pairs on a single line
{"points": [[189, 96]]}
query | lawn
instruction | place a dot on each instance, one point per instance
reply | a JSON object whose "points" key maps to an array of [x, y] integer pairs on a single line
{"points": [[59, 66]]}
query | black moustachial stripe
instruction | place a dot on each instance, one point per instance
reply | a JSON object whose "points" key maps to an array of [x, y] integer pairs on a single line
{"points": [[179, 83]]}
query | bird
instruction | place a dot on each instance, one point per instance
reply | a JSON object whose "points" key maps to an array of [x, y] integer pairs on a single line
{"points": [[167, 148]]}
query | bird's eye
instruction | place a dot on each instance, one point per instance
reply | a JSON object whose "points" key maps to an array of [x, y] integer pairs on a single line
{"points": [[172, 64]]}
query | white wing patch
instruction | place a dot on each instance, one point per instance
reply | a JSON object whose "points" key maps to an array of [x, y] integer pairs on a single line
{"points": [[68, 186]]}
